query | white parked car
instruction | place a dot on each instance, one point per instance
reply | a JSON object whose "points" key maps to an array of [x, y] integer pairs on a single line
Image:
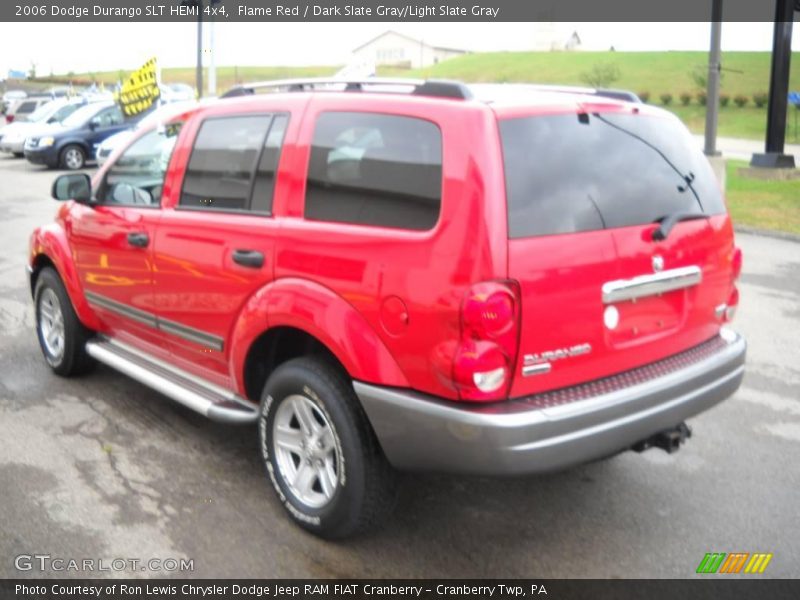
{"points": [[12, 137], [10, 97]]}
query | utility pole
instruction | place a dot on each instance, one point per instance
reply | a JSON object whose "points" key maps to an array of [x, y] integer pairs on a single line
{"points": [[714, 68], [212, 61], [199, 72], [773, 156]]}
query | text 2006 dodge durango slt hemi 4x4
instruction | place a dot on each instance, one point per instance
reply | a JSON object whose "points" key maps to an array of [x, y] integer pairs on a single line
{"points": [[398, 275]]}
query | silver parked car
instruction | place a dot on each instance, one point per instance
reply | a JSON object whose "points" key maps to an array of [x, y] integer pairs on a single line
{"points": [[12, 137]]}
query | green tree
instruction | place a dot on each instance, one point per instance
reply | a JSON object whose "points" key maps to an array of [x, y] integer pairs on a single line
{"points": [[601, 75]]}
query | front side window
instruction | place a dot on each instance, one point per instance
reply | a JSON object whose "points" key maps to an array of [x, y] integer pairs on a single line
{"points": [[109, 117], [137, 176], [375, 169], [233, 163]]}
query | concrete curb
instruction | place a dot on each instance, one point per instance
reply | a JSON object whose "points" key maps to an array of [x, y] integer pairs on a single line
{"points": [[781, 235]]}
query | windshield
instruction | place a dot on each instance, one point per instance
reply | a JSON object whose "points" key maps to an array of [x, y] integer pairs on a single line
{"points": [[65, 111], [570, 173], [83, 114], [43, 112]]}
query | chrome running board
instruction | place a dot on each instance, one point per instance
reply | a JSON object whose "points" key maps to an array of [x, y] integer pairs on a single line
{"points": [[212, 401]]}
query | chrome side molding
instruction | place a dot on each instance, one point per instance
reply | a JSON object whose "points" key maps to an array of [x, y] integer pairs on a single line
{"points": [[651, 285]]}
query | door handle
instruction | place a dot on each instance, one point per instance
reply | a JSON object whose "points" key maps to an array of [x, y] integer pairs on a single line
{"points": [[140, 240], [249, 258]]}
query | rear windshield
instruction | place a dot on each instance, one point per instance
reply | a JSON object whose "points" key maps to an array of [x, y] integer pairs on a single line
{"points": [[582, 172]]}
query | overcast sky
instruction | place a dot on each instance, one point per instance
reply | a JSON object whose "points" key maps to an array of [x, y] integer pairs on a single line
{"points": [[82, 47]]}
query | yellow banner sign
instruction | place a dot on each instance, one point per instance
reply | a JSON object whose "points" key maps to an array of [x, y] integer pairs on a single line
{"points": [[140, 91]]}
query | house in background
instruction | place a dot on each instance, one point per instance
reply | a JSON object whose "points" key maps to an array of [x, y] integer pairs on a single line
{"points": [[548, 36], [395, 49]]}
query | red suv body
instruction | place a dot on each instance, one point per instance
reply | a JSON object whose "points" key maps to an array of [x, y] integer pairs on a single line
{"points": [[421, 280]]}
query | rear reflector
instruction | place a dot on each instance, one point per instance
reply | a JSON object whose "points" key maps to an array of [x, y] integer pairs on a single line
{"points": [[733, 304], [736, 263]]}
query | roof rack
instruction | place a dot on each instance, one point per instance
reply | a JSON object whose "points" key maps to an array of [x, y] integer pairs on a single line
{"points": [[437, 88], [482, 90]]}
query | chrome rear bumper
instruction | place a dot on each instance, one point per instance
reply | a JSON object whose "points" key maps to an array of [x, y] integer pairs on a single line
{"points": [[422, 433]]}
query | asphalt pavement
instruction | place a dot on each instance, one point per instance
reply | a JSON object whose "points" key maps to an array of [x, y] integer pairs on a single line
{"points": [[102, 468]]}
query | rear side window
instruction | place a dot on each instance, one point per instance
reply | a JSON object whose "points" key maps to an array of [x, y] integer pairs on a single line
{"points": [[233, 163], [26, 107], [571, 173], [374, 169]]}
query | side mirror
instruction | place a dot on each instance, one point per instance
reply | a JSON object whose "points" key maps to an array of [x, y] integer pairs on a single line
{"points": [[94, 123], [73, 186]]}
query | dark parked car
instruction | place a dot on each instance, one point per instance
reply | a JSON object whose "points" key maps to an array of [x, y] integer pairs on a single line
{"points": [[74, 142]]}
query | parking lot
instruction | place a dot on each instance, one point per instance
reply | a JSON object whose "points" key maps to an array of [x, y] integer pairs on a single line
{"points": [[102, 467]]}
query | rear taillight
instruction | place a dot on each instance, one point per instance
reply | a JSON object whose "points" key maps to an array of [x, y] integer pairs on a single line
{"points": [[484, 360], [733, 300], [9, 118]]}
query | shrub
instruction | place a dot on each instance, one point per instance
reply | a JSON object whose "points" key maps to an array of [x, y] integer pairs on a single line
{"points": [[701, 98], [644, 96], [760, 99], [740, 101], [724, 99], [666, 99], [686, 98]]}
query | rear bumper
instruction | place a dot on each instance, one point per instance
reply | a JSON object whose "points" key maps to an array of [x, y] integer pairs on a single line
{"points": [[14, 147], [422, 433]]}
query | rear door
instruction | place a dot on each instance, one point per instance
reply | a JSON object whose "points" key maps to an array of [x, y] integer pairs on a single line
{"points": [[600, 295]]}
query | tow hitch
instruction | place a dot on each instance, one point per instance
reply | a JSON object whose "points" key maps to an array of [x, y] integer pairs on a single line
{"points": [[669, 440]]}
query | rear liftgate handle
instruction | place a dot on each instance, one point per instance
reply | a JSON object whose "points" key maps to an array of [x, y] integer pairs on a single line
{"points": [[248, 258]]}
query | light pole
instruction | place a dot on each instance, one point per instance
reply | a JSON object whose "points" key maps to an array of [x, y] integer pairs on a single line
{"points": [[714, 68], [199, 71]]}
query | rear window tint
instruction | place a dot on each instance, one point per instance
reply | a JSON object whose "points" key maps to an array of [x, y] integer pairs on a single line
{"points": [[374, 169], [571, 173]]}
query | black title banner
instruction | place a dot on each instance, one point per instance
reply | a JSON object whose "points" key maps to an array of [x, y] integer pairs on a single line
{"points": [[423, 589], [383, 10]]}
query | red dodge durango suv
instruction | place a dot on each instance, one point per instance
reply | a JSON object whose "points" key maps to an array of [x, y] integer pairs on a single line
{"points": [[398, 274]]}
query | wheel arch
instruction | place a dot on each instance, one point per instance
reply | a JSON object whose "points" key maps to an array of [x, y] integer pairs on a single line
{"points": [[294, 317], [49, 248]]}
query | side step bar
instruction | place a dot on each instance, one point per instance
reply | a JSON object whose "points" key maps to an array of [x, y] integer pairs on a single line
{"points": [[201, 396]]}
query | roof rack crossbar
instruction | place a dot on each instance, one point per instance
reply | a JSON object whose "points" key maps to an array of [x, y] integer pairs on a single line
{"points": [[420, 87]]}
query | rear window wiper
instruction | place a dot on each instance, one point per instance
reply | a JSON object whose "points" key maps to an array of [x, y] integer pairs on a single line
{"points": [[669, 221]]}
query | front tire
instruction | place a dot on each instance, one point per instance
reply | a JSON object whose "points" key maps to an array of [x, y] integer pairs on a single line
{"points": [[320, 452], [62, 337], [73, 157]]}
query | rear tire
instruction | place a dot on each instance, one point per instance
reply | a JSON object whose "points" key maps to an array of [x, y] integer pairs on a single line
{"points": [[72, 157], [18, 154], [321, 453], [62, 337]]}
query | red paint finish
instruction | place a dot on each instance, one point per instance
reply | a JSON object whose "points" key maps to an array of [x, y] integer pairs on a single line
{"points": [[392, 305]]}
